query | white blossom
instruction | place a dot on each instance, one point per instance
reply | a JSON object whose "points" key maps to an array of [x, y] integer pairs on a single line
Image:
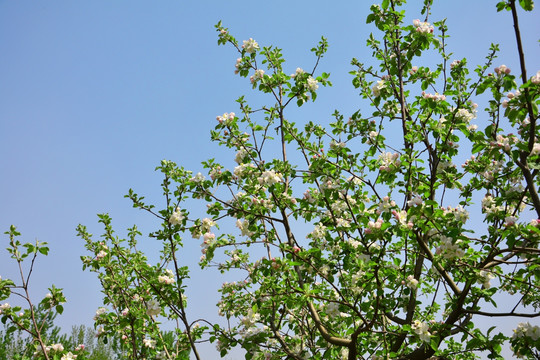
{"points": [[527, 330], [149, 343], [312, 84], [244, 227], [485, 278], [422, 330], [536, 78], [378, 87], [198, 178], [411, 282], [250, 46], [270, 177], [153, 308], [176, 217]]}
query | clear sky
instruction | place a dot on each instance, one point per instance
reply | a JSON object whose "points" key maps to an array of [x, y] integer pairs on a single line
{"points": [[93, 94]]}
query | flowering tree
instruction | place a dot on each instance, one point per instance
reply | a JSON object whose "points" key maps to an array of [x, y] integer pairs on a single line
{"points": [[392, 265], [32, 319]]}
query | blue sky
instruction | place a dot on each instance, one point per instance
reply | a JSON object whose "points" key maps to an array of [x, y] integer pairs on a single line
{"points": [[94, 94]]}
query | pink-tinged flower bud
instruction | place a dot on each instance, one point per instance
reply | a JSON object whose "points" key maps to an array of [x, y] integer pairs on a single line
{"points": [[505, 104], [503, 69], [510, 95], [296, 249]]}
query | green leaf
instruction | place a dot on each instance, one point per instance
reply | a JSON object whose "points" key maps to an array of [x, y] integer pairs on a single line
{"points": [[44, 250], [527, 5]]}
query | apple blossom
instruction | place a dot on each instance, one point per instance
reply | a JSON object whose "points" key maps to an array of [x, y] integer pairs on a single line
{"points": [[411, 282], [198, 178], [455, 63], [269, 178], [381, 84], [226, 118], [244, 227], [68, 356], [422, 330], [153, 308], [4, 307], [423, 27], [527, 330], [57, 347], [485, 278], [536, 78], [312, 84], [319, 232], [299, 71], [258, 75], [388, 161], [177, 217], [436, 96], [501, 70], [149, 343], [250, 46]]}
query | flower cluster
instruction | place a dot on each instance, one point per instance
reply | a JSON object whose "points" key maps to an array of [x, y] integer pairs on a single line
{"points": [[381, 84], [209, 240], [386, 205], [423, 27], [374, 226], [411, 282], [244, 227], [56, 348], [465, 115], [436, 96], [422, 330], [299, 71], [312, 84], [502, 70], [149, 343], [153, 308], [242, 170], [455, 63], [485, 278], [198, 178], [460, 214], [269, 178], [100, 311], [259, 74], [448, 249], [4, 307], [168, 278], [177, 217], [226, 118], [527, 330], [388, 161], [318, 233], [536, 78], [250, 46]]}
